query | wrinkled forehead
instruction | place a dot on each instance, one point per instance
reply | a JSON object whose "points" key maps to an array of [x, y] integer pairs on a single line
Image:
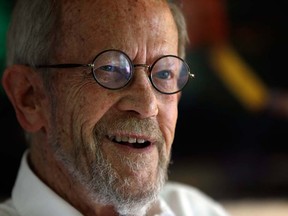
{"points": [[115, 19], [110, 15], [113, 8]]}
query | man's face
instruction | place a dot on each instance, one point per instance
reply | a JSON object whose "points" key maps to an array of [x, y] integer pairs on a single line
{"points": [[113, 141]]}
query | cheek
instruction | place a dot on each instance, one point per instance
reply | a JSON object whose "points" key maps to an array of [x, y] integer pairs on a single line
{"points": [[167, 117], [82, 109], [78, 107]]}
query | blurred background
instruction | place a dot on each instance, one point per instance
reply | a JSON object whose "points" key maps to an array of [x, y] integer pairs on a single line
{"points": [[231, 138]]}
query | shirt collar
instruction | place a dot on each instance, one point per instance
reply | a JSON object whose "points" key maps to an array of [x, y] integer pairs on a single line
{"points": [[32, 197]]}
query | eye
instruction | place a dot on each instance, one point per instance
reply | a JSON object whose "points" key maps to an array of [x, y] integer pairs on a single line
{"points": [[108, 68], [164, 74], [118, 72]]}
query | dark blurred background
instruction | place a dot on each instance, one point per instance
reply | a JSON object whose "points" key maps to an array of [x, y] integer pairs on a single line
{"points": [[227, 145]]}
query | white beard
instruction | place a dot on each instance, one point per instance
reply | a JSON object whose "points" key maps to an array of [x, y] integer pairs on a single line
{"points": [[102, 181]]}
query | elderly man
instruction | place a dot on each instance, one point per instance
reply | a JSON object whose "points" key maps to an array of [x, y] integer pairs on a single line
{"points": [[96, 85]]}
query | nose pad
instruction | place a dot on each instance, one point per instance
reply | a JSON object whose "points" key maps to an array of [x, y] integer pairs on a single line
{"points": [[147, 67], [142, 70], [140, 96]]}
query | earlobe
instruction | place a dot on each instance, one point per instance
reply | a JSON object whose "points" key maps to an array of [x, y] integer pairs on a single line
{"points": [[23, 87]]}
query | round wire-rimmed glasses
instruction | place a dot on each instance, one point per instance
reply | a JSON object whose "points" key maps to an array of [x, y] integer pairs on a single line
{"points": [[113, 69]]}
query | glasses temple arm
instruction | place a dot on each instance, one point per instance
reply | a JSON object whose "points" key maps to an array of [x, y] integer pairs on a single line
{"points": [[64, 66]]}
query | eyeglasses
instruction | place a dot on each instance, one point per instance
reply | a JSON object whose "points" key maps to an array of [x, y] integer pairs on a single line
{"points": [[113, 69]]}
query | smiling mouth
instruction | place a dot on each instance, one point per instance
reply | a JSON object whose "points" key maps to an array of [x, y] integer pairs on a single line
{"points": [[132, 142]]}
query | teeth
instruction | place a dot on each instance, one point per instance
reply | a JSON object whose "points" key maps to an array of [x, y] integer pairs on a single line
{"points": [[140, 140], [132, 140], [118, 139], [127, 139]]}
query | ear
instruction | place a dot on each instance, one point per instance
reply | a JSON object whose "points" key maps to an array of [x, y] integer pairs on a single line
{"points": [[24, 88]]}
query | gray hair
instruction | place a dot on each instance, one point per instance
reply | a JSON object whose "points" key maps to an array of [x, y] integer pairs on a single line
{"points": [[33, 31], [180, 21]]}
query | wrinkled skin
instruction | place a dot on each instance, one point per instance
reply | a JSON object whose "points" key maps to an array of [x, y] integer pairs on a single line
{"points": [[74, 122]]}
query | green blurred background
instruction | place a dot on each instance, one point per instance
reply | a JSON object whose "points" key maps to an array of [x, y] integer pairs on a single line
{"points": [[5, 8]]}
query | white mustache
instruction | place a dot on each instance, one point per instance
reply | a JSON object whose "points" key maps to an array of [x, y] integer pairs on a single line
{"points": [[145, 129]]}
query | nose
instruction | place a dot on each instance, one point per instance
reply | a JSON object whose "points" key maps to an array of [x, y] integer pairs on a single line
{"points": [[139, 96]]}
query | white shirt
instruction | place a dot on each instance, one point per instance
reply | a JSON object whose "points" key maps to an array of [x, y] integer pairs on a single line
{"points": [[31, 197]]}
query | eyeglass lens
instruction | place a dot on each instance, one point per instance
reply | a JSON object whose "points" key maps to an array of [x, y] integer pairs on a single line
{"points": [[113, 69]]}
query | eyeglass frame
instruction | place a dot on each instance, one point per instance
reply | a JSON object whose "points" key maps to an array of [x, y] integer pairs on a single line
{"points": [[133, 66]]}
